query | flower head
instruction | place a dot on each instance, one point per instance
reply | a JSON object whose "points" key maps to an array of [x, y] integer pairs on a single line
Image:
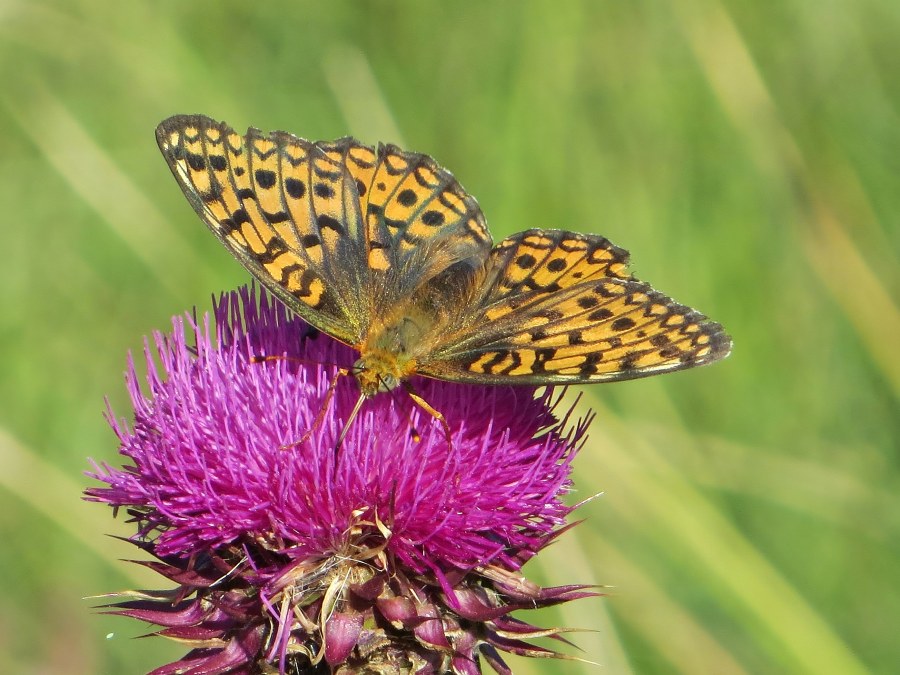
{"points": [[394, 553]]}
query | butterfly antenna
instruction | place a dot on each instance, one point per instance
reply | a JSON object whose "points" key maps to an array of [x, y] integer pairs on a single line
{"points": [[263, 358], [427, 407]]}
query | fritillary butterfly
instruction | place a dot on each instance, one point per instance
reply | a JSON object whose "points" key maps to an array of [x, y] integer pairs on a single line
{"points": [[384, 250]]}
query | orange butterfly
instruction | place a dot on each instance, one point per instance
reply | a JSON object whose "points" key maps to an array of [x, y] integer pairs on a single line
{"points": [[383, 250]]}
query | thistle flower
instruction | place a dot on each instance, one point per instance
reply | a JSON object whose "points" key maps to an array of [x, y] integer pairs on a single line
{"points": [[394, 554]]}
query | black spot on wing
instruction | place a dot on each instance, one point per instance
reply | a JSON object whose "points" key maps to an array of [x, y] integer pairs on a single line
{"points": [[600, 315], [277, 217], [407, 197], [526, 261], [323, 190], [433, 218], [233, 223], [218, 162], [623, 323], [294, 188], [196, 162], [265, 179]]}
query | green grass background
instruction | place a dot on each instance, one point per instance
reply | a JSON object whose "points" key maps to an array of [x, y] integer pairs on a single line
{"points": [[748, 154]]}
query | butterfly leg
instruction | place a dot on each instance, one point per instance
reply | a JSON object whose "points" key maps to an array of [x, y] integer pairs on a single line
{"points": [[436, 414], [413, 432], [341, 372]]}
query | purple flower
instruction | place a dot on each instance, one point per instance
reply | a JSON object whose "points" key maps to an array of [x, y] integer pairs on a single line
{"points": [[395, 552]]}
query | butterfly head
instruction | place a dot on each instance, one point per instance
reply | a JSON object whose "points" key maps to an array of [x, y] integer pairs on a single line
{"points": [[374, 377], [385, 358]]}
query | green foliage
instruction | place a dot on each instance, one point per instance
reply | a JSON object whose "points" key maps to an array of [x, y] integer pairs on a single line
{"points": [[745, 153]]}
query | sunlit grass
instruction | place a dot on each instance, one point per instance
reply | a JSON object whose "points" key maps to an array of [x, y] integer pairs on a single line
{"points": [[745, 154]]}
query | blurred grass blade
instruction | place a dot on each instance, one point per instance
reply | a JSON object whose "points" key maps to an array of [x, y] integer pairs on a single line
{"points": [[96, 178], [841, 268], [845, 273], [360, 98], [650, 490], [56, 496], [681, 638]]}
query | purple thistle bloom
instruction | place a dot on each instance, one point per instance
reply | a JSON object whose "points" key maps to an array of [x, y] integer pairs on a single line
{"points": [[395, 553]]}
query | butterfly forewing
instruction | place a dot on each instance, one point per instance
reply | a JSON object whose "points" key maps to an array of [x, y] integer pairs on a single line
{"points": [[285, 207], [560, 308], [420, 222]]}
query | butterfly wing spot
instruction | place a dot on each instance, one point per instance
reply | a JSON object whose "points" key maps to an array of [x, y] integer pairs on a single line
{"points": [[506, 362], [378, 259], [265, 179], [494, 313], [622, 324], [407, 197], [303, 283], [550, 260], [294, 188], [323, 191], [411, 190]]}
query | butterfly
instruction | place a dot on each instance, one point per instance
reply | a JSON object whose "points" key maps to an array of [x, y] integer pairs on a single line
{"points": [[383, 250]]}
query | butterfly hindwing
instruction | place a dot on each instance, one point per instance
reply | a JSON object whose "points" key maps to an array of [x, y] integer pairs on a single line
{"points": [[287, 208], [545, 262], [558, 307]]}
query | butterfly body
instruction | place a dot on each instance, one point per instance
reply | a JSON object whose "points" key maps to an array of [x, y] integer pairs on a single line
{"points": [[383, 250]]}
